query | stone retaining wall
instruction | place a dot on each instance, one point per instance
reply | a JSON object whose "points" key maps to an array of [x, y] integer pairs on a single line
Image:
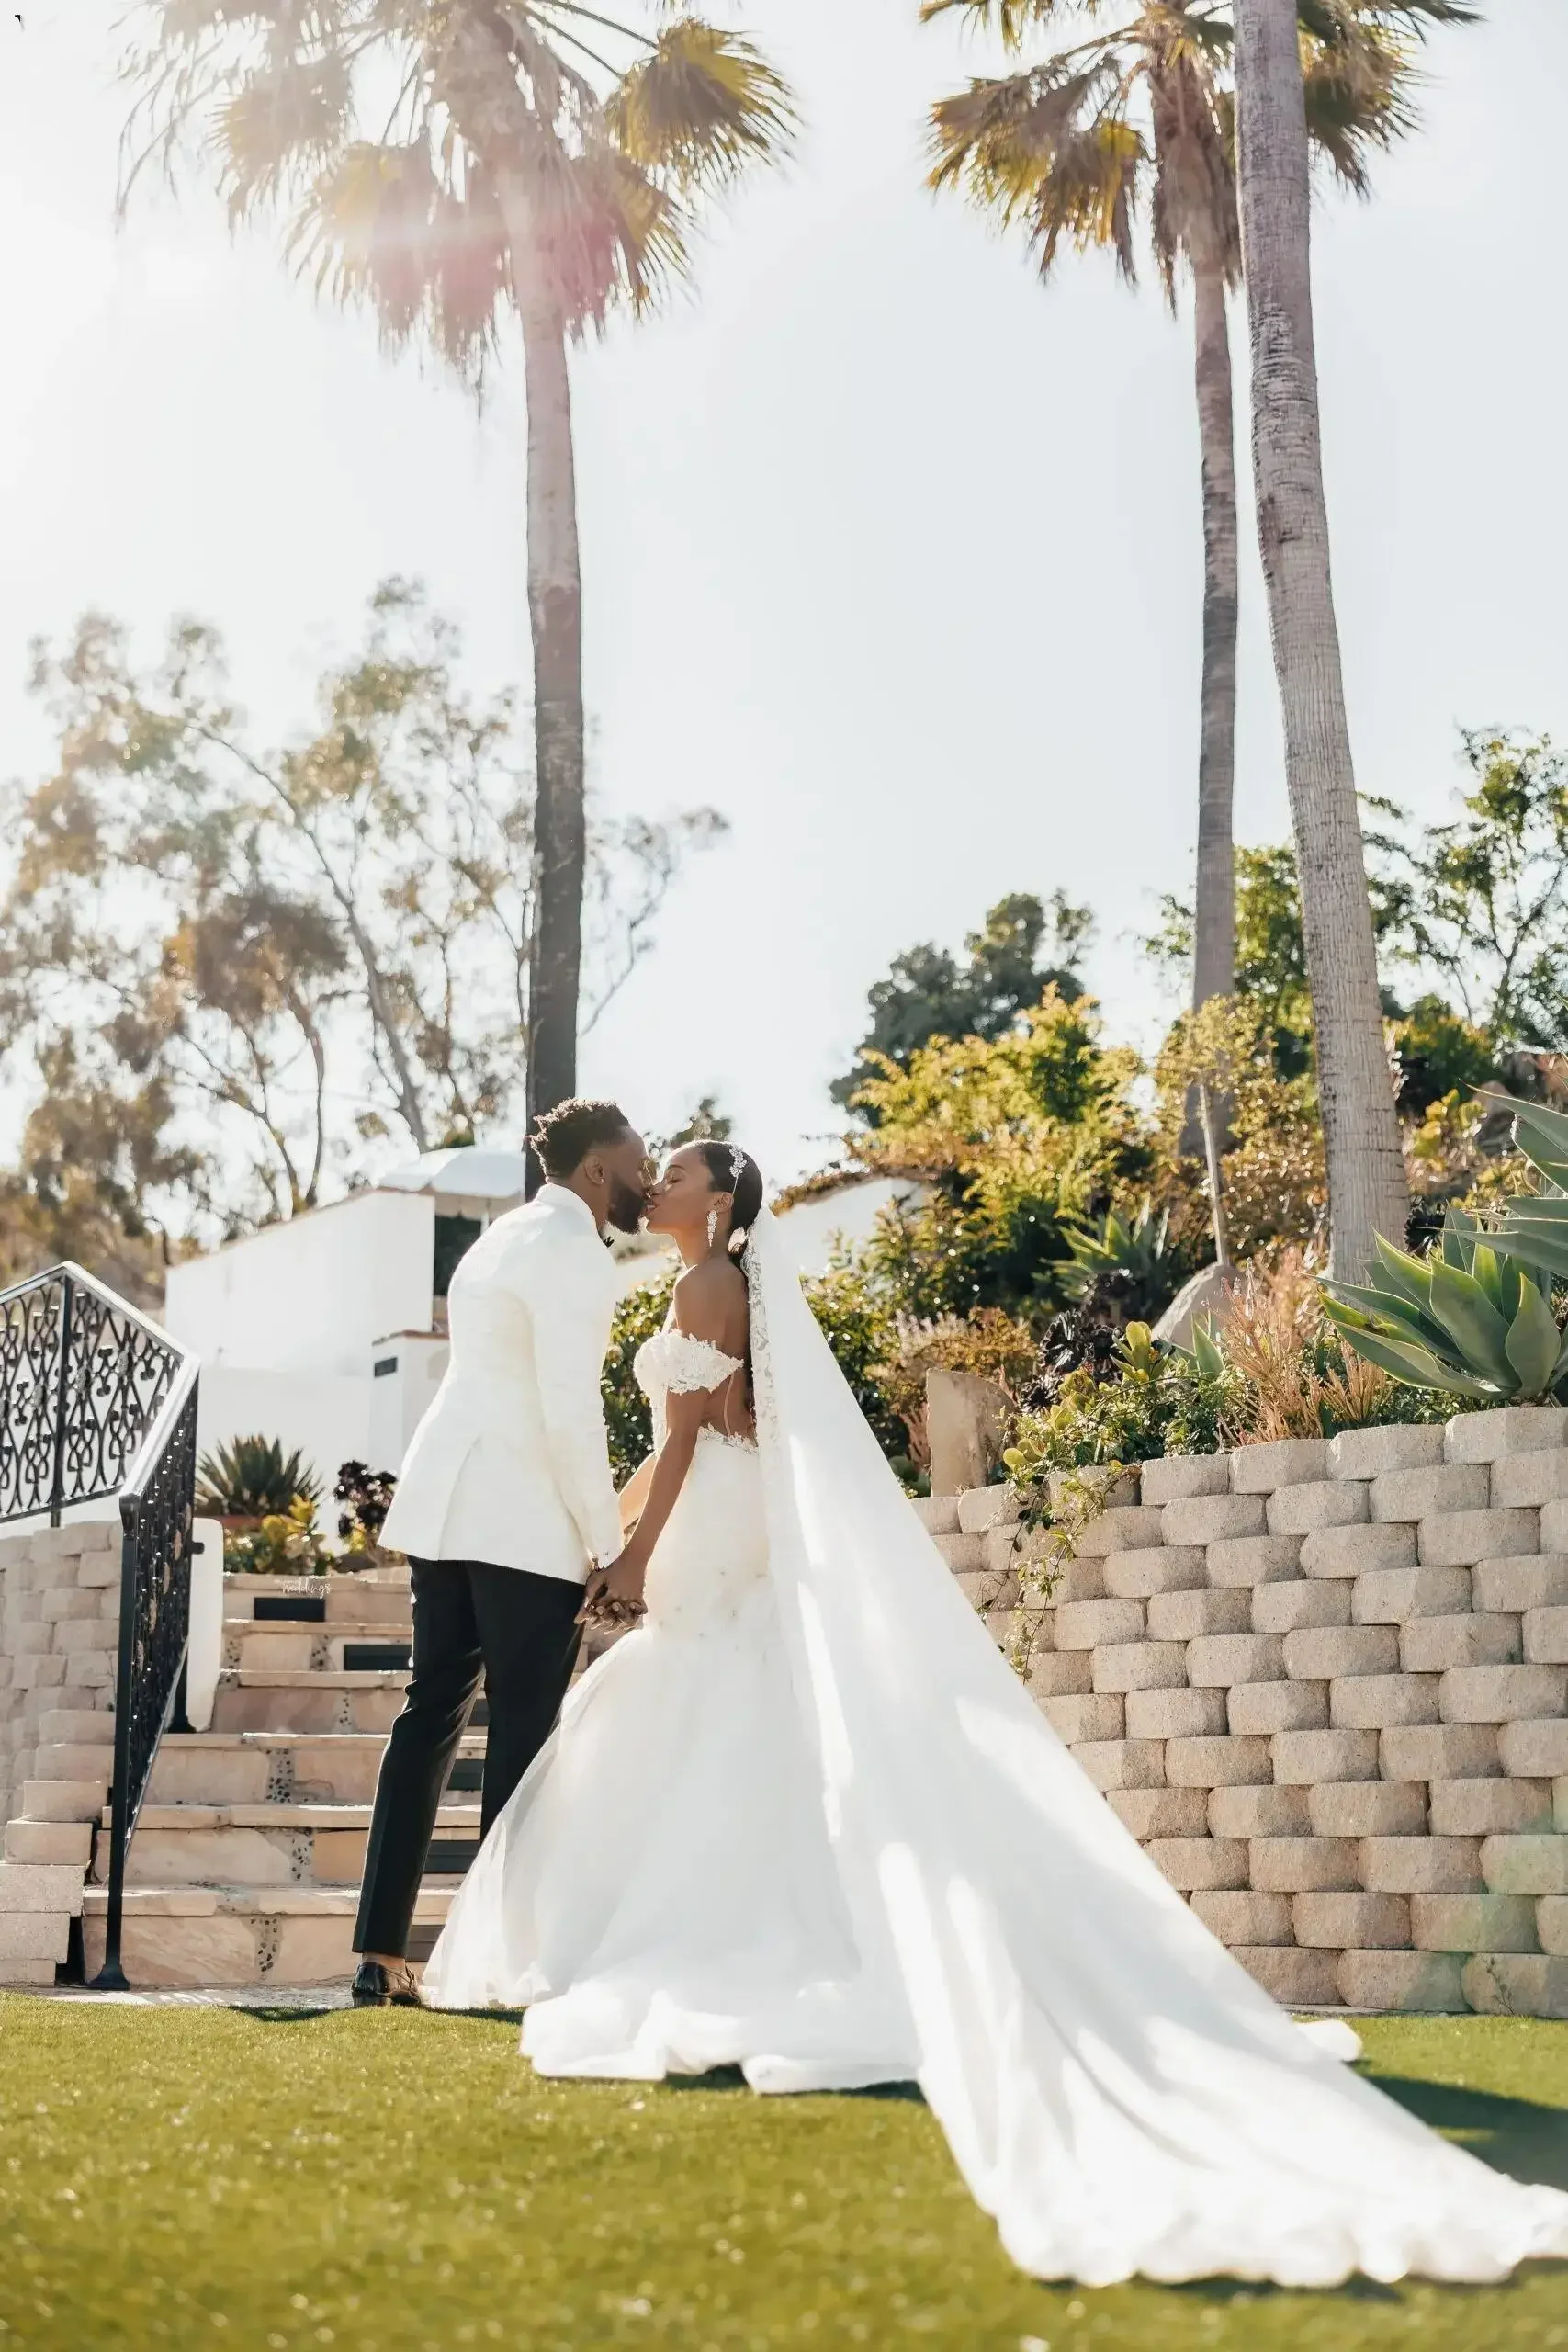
{"points": [[1325, 1686], [59, 1631]]}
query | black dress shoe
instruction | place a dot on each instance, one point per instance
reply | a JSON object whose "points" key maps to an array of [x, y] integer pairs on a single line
{"points": [[376, 1987]]}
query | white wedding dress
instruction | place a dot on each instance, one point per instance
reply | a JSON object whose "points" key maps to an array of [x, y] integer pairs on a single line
{"points": [[806, 1821]]}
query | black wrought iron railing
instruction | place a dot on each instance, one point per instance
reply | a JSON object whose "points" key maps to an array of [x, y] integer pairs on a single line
{"points": [[94, 1401], [82, 1376]]}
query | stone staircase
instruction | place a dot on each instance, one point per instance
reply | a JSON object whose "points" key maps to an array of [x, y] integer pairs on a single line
{"points": [[248, 1854], [1325, 1686]]}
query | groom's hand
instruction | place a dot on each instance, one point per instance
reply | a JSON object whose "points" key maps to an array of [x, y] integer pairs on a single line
{"points": [[614, 1595]]}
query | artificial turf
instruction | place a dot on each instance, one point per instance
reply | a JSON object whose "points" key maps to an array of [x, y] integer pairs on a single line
{"points": [[178, 2177]]}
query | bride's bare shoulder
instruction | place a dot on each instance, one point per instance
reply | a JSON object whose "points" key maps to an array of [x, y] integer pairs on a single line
{"points": [[710, 1301]]}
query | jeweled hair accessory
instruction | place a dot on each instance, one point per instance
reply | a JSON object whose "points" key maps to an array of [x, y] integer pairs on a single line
{"points": [[738, 1163]]}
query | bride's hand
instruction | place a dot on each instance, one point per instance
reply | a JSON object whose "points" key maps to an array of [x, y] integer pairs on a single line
{"points": [[615, 1595]]}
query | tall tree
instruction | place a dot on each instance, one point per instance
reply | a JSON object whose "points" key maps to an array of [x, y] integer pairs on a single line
{"points": [[1139, 118], [1367, 1189], [227, 967], [450, 162], [1025, 946]]}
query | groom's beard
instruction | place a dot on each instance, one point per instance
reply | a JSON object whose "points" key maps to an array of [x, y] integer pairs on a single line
{"points": [[627, 1207]]}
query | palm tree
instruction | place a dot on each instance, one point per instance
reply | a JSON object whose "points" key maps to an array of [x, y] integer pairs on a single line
{"points": [[449, 161], [1367, 1194], [1072, 148], [1141, 117]]}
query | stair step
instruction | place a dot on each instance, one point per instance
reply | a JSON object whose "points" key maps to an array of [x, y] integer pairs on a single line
{"points": [[305, 1699], [215, 1936], [63, 1800], [363, 1599], [271, 1846], [285, 1815], [302, 1767], [252, 1647], [49, 1841]]}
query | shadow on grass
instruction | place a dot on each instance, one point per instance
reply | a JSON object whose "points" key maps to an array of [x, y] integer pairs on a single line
{"points": [[730, 2078], [285, 2013], [1513, 2135]]}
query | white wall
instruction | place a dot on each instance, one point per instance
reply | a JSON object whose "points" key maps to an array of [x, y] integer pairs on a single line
{"points": [[326, 1415], [312, 1294], [400, 1397], [813, 1229]]}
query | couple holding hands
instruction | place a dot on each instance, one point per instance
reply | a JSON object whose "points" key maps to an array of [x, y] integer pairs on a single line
{"points": [[804, 1820]]}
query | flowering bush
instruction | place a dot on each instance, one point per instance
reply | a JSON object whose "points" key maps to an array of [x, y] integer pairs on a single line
{"points": [[283, 1544], [368, 1495]]}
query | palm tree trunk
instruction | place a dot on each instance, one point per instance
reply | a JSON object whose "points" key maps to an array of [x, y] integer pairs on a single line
{"points": [[555, 613], [1214, 925], [1213, 936], [1366, 1173], [479, 86]]}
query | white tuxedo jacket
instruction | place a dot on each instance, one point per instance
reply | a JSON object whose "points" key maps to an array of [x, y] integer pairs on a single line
{"points": [[511, 1462]]}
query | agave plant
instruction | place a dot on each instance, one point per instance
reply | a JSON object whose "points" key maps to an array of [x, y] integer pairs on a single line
{"points": [[1138, 1248], [1467, 1319], [1534, 1225], [253, 1478]]}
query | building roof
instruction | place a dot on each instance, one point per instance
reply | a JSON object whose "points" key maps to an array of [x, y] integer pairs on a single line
{"points": [[472, 1171]]}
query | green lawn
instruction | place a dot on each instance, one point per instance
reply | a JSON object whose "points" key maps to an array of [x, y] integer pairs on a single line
{"points": [[178, 2178]]}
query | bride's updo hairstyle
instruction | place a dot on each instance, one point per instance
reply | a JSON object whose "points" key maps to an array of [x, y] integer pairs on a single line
{"points": [[734, 1171]]}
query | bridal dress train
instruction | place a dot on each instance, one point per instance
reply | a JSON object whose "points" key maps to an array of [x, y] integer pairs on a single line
{"points": [[806, 1821]]}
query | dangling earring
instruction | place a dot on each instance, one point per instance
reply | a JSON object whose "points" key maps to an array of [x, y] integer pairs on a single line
{"points": [[713, 1226]]}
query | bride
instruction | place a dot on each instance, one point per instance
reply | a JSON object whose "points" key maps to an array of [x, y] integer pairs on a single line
{"points": [[806, 1821]]}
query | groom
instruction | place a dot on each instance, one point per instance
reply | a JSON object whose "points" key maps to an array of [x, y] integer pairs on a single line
{"points": [[504, 1504]]}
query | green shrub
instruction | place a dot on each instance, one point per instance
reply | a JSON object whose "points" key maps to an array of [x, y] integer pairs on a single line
{"points": [[628, 1419], [1157, 1402]]}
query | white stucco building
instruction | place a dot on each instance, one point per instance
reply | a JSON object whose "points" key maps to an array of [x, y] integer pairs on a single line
{"points": [[328, 1332]]}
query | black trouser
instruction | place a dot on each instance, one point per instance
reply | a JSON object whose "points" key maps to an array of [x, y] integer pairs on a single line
{"points": [[519, 1632]]}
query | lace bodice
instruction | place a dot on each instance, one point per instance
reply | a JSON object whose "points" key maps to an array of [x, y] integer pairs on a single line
{"points": [[673, 1362]]}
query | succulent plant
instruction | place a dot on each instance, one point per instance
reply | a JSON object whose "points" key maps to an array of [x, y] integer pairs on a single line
{"points": [[1468, 1319], [251, 1478], [1139, 1248], [1533, 1228]]}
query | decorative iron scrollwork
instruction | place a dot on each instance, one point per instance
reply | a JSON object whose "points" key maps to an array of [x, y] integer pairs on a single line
{"points": [[94, 1401], [82, 1376]]}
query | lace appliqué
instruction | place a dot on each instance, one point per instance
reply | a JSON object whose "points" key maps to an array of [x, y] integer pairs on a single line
{"points": [[765, 1405], [676, 1363]]}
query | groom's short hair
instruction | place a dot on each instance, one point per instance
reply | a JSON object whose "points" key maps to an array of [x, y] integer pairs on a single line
{"points": [[564, 1138]]}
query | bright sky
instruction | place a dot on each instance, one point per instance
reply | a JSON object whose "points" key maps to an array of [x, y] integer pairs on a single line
{"points": [[889, 555]]}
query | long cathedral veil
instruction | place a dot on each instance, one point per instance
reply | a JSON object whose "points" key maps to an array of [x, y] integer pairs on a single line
{"points": [[1117, 2091]]}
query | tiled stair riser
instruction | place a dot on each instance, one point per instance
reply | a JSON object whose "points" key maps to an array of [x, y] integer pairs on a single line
{"points": [[245, 1864], [1380, 1816]]}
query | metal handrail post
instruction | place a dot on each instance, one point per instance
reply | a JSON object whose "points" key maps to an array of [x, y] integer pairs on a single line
{"points": [[111, 1977], [62, 1393]]}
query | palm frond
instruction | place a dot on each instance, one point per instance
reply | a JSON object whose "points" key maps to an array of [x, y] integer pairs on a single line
{"points": [[1012, 19], [1053, 148], [605, 227], [1359, 95], [702, 104], [283, 122]]}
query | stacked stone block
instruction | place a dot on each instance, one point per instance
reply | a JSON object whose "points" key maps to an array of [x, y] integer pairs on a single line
{"points": [[59, 1630], [1325, 1685]]}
